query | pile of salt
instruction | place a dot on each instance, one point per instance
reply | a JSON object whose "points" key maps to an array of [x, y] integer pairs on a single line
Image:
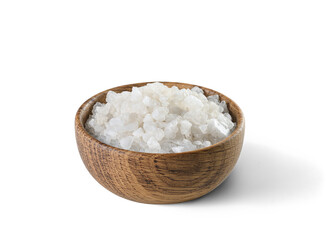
{"points": [[158, 119]]}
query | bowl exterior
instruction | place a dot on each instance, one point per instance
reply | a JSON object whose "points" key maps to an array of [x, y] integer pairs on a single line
{"points": [[157, 178]]}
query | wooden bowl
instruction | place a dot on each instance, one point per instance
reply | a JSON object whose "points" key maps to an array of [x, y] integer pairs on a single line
{"points": [[159, 178]]}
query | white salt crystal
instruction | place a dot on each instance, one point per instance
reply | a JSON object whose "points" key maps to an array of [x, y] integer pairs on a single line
{"points": [[228, 115], [185, 128], [159, 134], [224, 106], [153, 144], [126, 142], [155, 118], [197, 90], [192, 102], [148, 101], [160, 113], [206, 144], [203, 128], [177, 149], [214, 98], [138, 133], [217, 129], [136, 94], [171, 129], [188, 145]]}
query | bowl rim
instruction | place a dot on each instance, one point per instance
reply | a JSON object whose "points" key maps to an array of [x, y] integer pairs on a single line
{"points": [[79, 125]]}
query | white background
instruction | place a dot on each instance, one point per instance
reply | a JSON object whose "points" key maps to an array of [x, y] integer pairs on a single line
{"points": [[272, 57]]}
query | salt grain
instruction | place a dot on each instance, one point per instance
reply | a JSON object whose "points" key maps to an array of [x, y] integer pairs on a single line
{"points": [[156, 118]]}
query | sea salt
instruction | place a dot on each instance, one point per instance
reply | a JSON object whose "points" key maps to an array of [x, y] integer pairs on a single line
{"points": [[158, 119]]}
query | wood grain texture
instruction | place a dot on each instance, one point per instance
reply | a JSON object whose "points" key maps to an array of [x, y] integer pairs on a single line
{"points": [[159, 178]]}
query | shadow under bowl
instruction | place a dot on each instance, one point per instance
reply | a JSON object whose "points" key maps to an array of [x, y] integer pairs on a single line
{"points": [[153, 177]]}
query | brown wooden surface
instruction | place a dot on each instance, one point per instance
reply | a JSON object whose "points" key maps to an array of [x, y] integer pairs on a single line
{"points": [[159, 178]]}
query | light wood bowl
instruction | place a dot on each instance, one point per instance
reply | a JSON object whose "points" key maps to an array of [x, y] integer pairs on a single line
{"points": [[159, 178]]}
